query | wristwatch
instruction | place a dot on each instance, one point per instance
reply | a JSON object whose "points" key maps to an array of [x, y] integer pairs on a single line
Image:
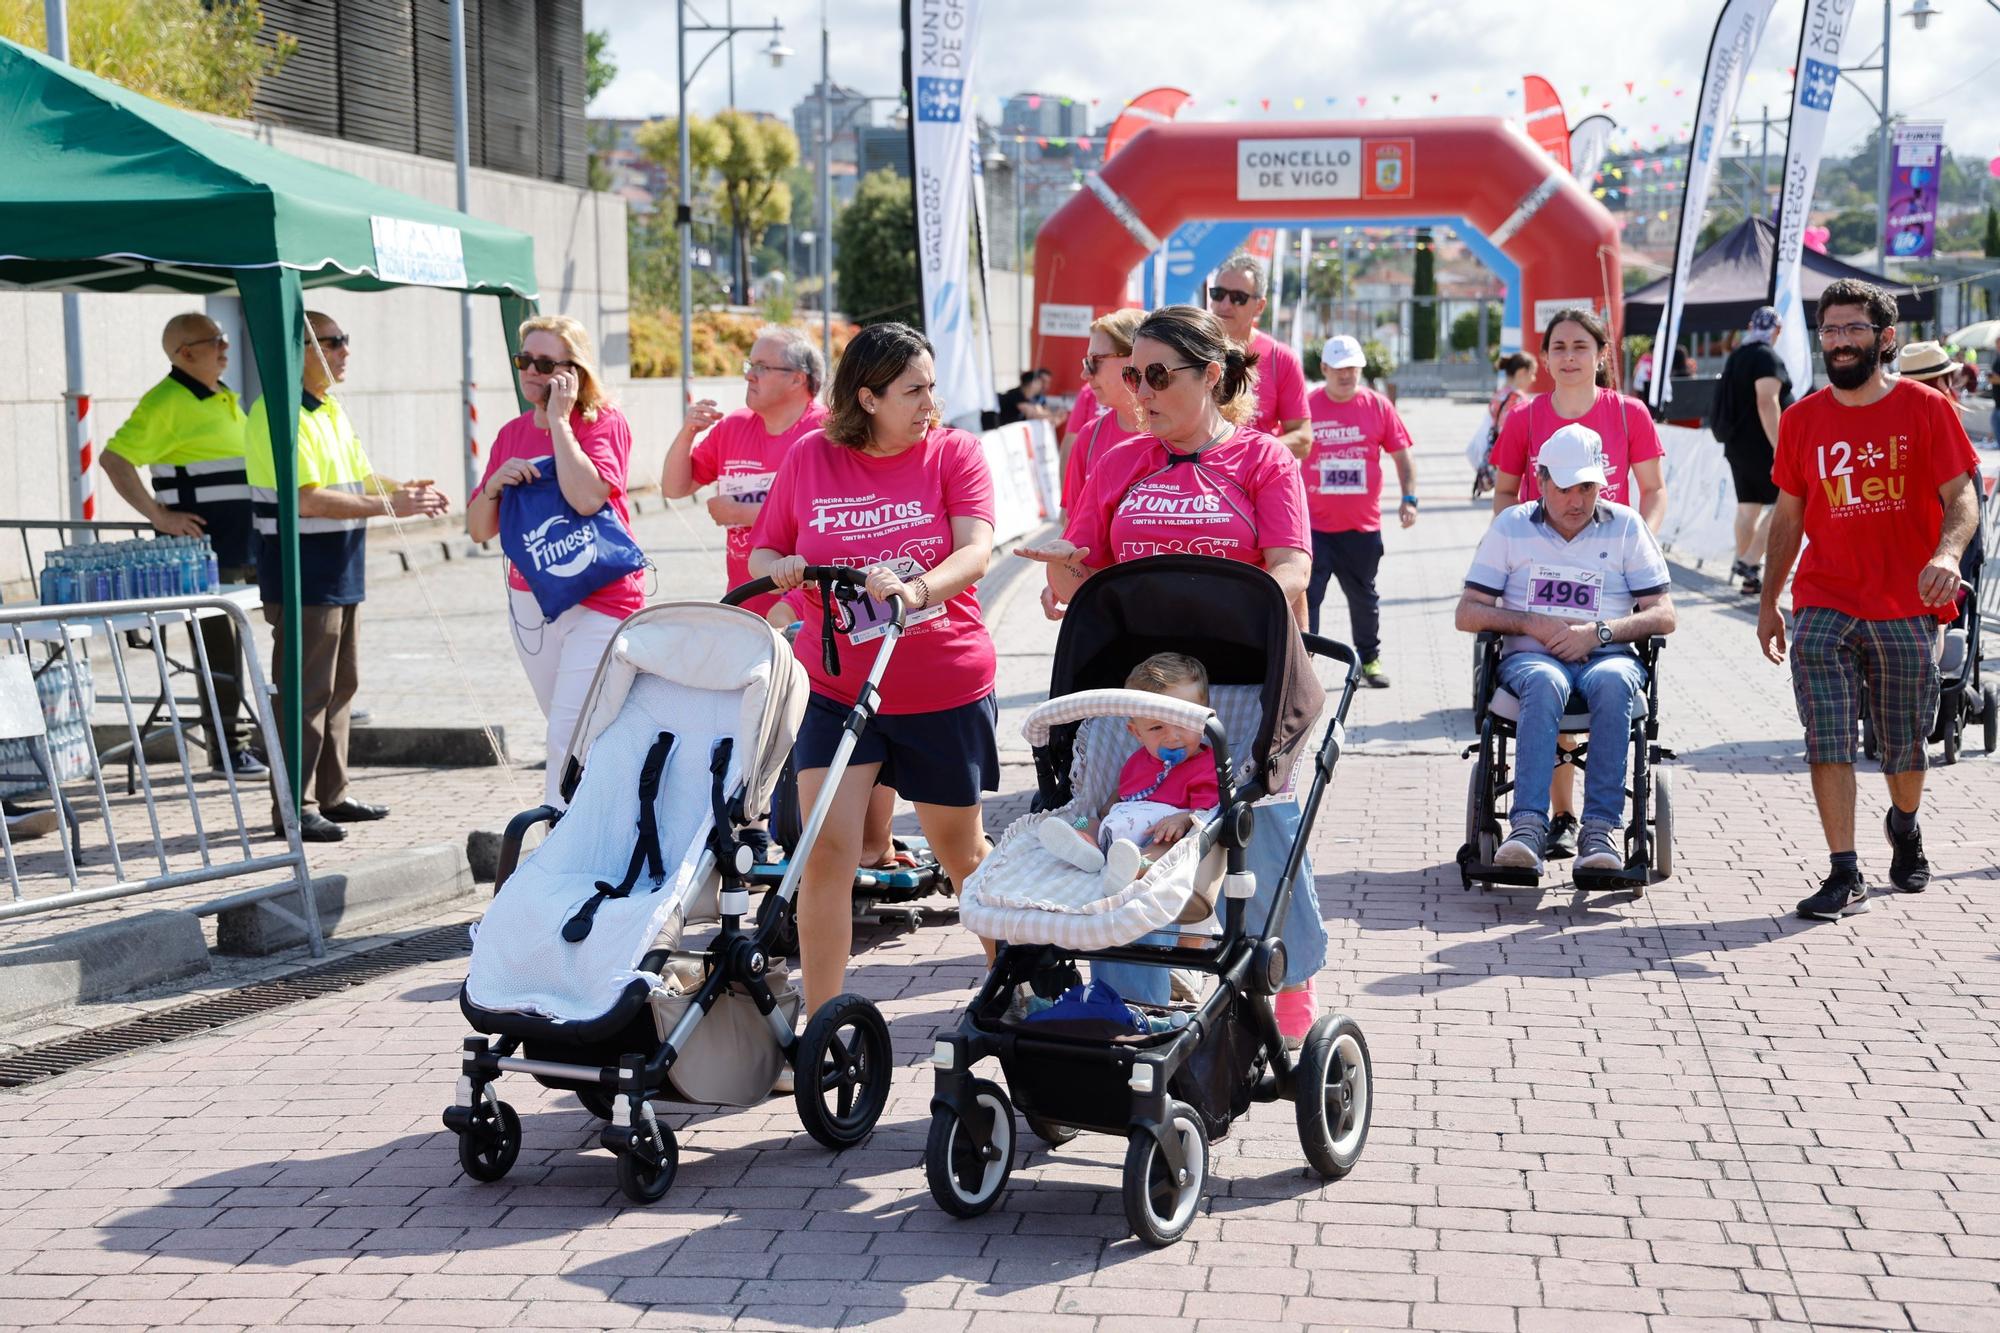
{"points": [[1603, 633]]}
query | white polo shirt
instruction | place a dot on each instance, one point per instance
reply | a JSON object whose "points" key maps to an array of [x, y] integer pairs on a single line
{"points": [[1597, 575]]}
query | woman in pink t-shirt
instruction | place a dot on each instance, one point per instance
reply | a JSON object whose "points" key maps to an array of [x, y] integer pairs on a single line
{"points": [[885, 489], [1117, 419], [741, 452], [574, 428], [1577, 348]]}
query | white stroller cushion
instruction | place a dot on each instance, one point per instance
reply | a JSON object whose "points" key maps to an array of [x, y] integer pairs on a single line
{"points": [[520, 961]]}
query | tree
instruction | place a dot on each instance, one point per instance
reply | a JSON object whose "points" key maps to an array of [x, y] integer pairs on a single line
{"points": [[188, 53], [1465, 332], [1424, 314], [742, 157], [1990, 243], [875, 242], [1851, 231], [599, 69]]}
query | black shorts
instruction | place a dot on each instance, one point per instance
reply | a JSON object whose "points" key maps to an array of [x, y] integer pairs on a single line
{"points": [[944, 758], [1750, 464]]}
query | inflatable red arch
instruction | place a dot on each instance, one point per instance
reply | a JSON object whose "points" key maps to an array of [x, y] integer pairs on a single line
{"points": [[1477, 168]]}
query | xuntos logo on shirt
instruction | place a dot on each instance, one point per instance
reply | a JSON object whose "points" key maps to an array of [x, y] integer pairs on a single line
{"points": [[1166, 504], [561, 549], [867, 515]]}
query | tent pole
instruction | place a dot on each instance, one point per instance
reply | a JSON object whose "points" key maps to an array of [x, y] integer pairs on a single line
{"points": [[461, 153], [76, 399], [274, 308]]}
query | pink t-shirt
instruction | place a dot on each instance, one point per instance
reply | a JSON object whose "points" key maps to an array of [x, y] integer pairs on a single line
{"points": [[838, 506], [1234, 500], [1344, 470], [745, 457], [1621, 422], [607, 443], [1281, 384], [1082, 412], [1098, 436], [1189, 785]]}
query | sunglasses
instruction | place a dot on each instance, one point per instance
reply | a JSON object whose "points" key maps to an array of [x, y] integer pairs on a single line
{"points": [[1231, 295], [1156, 376], [336, 342], [1095, 359], [541, 365]]}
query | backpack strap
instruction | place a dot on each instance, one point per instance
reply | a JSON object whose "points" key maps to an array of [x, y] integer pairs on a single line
{"points": [[645, 849]]}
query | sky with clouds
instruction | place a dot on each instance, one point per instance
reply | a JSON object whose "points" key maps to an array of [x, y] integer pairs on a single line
{"points": [[1415, 57]]}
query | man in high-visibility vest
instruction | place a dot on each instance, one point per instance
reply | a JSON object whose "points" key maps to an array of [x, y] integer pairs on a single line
{"points": [[188, 431], [338, 493]]}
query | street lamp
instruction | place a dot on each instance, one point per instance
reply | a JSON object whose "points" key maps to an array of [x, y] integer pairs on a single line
{"points": [[826, 131], [684, 204]]}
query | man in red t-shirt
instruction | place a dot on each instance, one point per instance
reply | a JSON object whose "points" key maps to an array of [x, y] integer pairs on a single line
{"points": [[1352, 428], [1875, 472], [1236, 297]]}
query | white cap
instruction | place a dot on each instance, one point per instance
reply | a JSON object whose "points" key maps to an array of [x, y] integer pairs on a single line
{"points": [[1342, 351], [1572, 455]]}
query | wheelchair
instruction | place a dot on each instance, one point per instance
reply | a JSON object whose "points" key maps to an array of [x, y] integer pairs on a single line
{"points": [[1649, 828]]}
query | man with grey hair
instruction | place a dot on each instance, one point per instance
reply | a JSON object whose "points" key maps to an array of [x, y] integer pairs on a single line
{"points": [[188, 432], [742, 452], [1236, 296]]}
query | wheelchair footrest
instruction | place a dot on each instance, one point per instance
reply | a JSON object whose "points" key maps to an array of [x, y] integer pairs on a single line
{"points": [[1513, 876], [1613, 881]]}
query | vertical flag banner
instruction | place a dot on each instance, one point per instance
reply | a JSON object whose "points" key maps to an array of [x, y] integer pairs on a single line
{"points": [[1913, 189], [1155, 106], [939, 39], [1547, 125], [1818, 71], [1589, 143], [983, 328], [1737, 33]]}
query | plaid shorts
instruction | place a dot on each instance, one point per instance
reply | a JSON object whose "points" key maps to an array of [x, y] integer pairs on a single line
{"points": [[1833, 653]]}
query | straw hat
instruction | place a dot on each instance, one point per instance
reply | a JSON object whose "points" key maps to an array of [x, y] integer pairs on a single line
{"points": [[1923, 361]]}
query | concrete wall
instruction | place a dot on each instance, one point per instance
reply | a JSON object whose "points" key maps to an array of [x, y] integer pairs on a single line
{"points": [[402, 379]]}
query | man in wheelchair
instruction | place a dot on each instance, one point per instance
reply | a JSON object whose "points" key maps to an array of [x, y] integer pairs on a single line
{"points": [[1572, 582]]}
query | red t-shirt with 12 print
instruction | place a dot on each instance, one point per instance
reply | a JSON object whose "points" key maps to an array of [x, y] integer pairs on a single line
{"points": [[1869, 477]]}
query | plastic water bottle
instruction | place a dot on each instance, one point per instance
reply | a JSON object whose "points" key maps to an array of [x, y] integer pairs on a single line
{"points": [[211, 570]]}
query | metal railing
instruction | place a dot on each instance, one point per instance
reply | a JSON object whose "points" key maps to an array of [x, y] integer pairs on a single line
{"points": [[179, 847], [1989, 581]]}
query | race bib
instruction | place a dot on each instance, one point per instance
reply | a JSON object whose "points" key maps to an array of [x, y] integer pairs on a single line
{"points": [[871, 618], [752, 488], [1343, 475], [1573, 594]]}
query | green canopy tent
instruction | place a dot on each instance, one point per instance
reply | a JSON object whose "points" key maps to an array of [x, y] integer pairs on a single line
{"points": [[102, 190]]}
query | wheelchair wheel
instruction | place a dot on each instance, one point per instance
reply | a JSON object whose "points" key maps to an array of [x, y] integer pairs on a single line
{"points": [[1663, 825], [1480, 838], [1989, 716]]}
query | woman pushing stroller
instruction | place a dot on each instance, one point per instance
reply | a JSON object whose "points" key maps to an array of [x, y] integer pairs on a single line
{"points": [[883, 487]]}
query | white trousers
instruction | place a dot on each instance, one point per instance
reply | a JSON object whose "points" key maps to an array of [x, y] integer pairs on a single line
{"points": [[561, 660]]}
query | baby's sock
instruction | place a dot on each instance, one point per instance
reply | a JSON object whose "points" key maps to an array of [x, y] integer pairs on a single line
{"points": [[1070, 844], [1122, 863]]}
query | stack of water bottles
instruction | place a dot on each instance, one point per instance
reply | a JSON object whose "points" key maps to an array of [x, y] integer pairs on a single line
{"points": [[120, 571]]}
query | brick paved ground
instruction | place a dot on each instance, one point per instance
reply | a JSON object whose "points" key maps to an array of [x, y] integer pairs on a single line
{"points": [[1689, 1111]]}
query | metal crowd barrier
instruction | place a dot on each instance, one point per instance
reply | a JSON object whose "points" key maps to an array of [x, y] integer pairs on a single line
{"points": [[1989, 581], [180, 847]]}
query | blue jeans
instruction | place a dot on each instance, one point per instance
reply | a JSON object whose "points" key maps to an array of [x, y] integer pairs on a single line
{"points": [[1304, 934], [1611, 681]]}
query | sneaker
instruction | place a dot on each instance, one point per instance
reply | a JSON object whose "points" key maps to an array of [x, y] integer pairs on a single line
{"points": [[1123, 863], [1838, 896], [1521, 851], [1068, 844], [1373, 676], [1560, 844], [1753, 584], [1909, 871], [1296, 1010], [1596, 851]]}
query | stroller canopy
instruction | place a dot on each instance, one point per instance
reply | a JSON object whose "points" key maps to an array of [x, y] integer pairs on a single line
{"points": [[1230, 616]]}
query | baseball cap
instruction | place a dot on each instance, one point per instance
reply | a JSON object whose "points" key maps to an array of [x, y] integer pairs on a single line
{"points": [[1764, 318], [1923, 359], [1341, 351], [1573, 454]]}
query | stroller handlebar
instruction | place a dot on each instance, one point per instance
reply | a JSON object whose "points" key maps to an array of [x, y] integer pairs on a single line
{"points": [[836, 583]]}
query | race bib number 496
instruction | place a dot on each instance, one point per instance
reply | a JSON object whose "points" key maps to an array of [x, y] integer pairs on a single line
{"points": [[1573, 594]]}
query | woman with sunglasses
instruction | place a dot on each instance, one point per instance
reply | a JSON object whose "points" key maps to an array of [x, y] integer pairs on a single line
{"points": [[1116, 418], [1201, 482], [574, 428], [884, 488]]}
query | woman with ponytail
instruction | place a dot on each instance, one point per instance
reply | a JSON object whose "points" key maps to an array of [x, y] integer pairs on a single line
{"points": [[1201, 482]]}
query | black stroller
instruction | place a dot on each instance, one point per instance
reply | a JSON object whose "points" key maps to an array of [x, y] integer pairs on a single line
{"points": [[1168, 1092]]}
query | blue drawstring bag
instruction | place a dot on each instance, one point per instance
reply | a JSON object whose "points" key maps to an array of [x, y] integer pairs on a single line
{"points": [[564, 556]]}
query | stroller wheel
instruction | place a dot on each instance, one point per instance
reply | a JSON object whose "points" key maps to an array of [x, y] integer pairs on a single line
{"points": [[644, 1182], [488, 1147], [843, 1065], [1334, 1095], [1049, 1132], [1159, 1206], [1989, 716], [964, 1180]]}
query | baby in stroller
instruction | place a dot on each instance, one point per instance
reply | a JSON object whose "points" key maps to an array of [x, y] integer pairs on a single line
{"points": [[1167, 788]]}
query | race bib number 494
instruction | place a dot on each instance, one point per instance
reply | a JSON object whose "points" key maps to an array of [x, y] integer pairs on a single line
{"points": [[1343, 475], [1573, 594]]}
